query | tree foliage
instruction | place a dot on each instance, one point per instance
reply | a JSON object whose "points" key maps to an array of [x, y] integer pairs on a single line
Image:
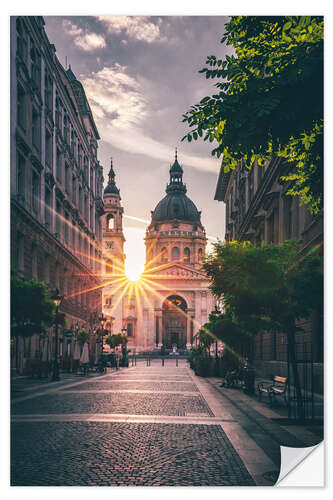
{"points": [[267, 287], [116, 339], [32, 311], [83, 336], [269, 100]]}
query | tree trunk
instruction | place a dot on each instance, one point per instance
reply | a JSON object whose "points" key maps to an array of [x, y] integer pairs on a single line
{"points": [[293, 361]]}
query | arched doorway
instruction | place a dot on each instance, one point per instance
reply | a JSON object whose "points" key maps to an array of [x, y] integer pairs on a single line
{"points": [[174, 322]]}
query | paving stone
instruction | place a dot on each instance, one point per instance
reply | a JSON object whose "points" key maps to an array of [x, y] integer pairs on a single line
{"points": [[137, 385], [90, 453], [128, 403]]}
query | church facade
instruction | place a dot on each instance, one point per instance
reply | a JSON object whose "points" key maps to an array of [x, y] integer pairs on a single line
{"points": [[165, 309]]}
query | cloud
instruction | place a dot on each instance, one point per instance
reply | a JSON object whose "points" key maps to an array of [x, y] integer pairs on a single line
{"points": [[85, 40], [121, 108], [116, 96], [135, 27]]}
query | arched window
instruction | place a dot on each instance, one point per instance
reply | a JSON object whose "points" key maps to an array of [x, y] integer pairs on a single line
{"points": [[110, 222], [187, 255], [164, 255], [175, 253], [108, 266], [200, 254]]}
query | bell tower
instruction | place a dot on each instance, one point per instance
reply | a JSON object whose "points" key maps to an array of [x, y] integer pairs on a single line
{"points": [[112, 224]]}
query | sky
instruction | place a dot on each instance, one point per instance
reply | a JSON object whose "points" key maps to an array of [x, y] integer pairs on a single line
{"points": [[140, 75]]}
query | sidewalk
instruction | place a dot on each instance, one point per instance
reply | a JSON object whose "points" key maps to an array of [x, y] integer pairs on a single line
{"points": [[23, 384], [266, 424]]}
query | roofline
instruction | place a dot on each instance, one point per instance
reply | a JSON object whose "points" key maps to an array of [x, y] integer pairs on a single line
{"points": [[222, 184]]}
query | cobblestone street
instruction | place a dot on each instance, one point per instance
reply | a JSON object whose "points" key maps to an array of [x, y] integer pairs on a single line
{"points": [[145, 425]]}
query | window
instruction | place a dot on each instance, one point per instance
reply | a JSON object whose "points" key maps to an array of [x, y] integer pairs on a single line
{"points": [[187, 255], [79, 157], [48, 208], [59, 166], [66, 129], [46, 268], [91, 219], [200, 254], [67, 174], [86, 207], [66, 227], [58, 113], [91, 178], [271, 228], [108, 266], [21, 176], [91, 257], [164, 255], [85, 169], [35, 191], [34, 264], [175, 253], [73, 235], [72, 142], [110, 222], [74, 189], [58, 218], [21, 107], [80, 198], [19, 257], [48, 148], [79, 246], [288, 216], [108, 301], [35, 67], [36, 129], [48, 91], [260, 174], [22, 48], [129, 330], [85, 246]]}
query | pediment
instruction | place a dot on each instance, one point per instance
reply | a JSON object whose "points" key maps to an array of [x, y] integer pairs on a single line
{"points": [[176, 271]]}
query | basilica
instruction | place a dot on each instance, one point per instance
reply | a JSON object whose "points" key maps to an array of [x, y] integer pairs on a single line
{"points": [[164, 309]]}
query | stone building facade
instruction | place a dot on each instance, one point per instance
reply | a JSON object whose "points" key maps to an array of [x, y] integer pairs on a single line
{"points": [[258, 209], [56, 181], [171, 301]]}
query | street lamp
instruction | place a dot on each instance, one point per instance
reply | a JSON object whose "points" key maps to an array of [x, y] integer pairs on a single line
{"points": [[124, 331], [57, 299], [102, 320]]}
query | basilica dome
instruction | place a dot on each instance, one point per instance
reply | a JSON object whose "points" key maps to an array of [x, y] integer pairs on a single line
{"points": [[176, 205]]}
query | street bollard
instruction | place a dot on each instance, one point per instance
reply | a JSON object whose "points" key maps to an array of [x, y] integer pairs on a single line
{"points": [[147, 361], [132, 360], [176, 361], [162, 361]]}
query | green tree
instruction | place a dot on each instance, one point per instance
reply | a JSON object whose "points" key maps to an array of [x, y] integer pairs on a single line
{"points": [[267, 287], [83, 336], [205, 337], [269, 100], [32, 310], [116, 339]]}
